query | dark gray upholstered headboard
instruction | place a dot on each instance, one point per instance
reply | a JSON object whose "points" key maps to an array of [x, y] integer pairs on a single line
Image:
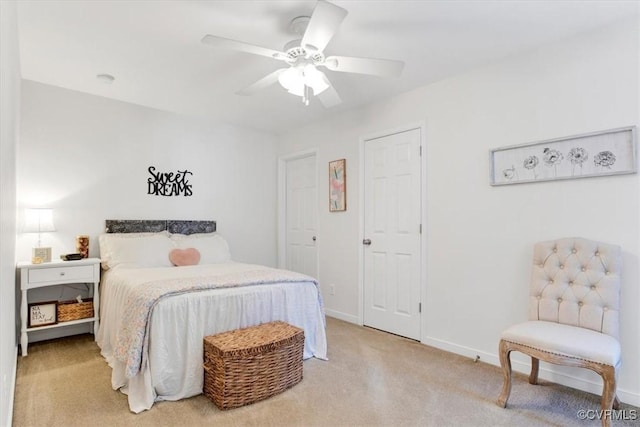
{"points": [[153, 225]]}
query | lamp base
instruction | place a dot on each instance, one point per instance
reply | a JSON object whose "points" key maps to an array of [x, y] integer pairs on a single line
{"points": [[40, 255]]}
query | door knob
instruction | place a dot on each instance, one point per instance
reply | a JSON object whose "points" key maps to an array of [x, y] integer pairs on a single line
{"points": [[313, 238], [366, 242]]}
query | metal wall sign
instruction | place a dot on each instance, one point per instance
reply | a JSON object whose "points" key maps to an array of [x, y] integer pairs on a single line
{"points": [[169, 183]]}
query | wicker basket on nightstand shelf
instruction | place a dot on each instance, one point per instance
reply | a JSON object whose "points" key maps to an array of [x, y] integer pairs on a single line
{"points": [[74, 310]]}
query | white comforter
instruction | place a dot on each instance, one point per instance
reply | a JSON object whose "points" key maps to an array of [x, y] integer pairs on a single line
{"points": [[172, 360]]}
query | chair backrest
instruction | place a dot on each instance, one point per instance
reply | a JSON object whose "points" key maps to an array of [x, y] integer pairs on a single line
{"points": [[576, 282]]}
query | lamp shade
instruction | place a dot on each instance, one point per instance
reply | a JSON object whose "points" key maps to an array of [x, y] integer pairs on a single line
{"points": [[38, 220]]}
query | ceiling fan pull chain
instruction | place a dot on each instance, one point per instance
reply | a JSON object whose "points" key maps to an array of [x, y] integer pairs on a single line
{"points": [[305, 97]]}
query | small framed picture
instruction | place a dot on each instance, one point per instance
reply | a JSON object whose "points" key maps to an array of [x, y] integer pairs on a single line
{"points": [[43, 314], [337, 186], [40, 255]]}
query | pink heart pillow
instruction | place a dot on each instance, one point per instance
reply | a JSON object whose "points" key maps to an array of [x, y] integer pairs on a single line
{"points": [[181, 257]]}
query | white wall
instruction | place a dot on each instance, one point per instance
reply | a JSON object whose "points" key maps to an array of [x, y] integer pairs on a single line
{"points": [[87, 158], [9, 109], [480, 238]]}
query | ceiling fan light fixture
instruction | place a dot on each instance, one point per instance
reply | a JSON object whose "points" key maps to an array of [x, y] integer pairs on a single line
{"points": [[315, 79], [292, 80]]}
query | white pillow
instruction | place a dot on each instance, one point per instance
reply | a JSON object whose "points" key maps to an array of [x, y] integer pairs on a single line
{"points": [[213, 248], [135, 249]]}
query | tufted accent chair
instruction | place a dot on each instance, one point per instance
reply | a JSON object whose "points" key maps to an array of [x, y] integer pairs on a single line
{"points": [[573, 314]]}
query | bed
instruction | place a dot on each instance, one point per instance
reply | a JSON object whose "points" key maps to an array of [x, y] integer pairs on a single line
{"points": [[154, 315]]}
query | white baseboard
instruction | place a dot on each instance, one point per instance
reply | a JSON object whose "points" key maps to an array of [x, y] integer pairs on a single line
{"points": [[342, 316], [524, 367], [12, 389]]}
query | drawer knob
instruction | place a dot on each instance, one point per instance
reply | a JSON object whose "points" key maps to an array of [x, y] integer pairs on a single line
{"points": [[62, 273]]}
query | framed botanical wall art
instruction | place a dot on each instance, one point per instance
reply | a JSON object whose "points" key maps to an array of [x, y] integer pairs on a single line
{"points": [[337, 185], [610, 152]]}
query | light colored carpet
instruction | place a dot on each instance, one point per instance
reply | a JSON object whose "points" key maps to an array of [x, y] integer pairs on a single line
{"points": [[371, 379]]}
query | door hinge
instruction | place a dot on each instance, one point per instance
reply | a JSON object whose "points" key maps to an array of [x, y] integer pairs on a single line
{"points": [[420, 228], [419, 307], [421, 150]]}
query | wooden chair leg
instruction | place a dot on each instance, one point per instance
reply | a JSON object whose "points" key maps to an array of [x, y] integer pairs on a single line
{"points": [[609, 398], [505, 362], [535, 366], [608, 373]]}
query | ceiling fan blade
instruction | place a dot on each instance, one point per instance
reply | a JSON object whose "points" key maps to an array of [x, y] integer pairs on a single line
{"points": [[329, 97], [267, 80], [224, 43], [324, 23], [371, 66]]}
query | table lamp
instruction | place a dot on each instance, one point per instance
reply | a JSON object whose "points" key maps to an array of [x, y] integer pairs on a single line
{"points": [[39, 220]]}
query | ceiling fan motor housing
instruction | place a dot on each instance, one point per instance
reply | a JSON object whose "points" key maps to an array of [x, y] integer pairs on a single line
{"points": [[295, 51]]}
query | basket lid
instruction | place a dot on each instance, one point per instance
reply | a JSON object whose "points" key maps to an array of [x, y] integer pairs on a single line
{"points": [[254, 339]]}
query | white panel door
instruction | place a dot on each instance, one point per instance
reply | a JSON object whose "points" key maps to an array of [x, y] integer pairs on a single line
{"points": [[301, 216], [392, 251]]}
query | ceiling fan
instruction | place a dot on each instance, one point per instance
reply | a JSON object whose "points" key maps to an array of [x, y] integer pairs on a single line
{"points": [[305, 55]]}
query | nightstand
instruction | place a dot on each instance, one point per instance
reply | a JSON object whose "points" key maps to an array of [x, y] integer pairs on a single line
{"points": [[58, 273]]}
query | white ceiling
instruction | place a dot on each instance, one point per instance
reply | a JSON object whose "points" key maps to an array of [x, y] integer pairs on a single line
{"points": [[153, 48]]}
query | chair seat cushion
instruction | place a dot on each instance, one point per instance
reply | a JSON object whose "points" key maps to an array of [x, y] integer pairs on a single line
{"points": [[566, 340]]}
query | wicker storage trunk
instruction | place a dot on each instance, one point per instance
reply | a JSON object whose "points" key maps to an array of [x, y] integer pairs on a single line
{"points": [[247, 365]]}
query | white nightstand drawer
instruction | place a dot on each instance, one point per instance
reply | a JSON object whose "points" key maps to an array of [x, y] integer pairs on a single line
{"points": [[81, 272]]}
